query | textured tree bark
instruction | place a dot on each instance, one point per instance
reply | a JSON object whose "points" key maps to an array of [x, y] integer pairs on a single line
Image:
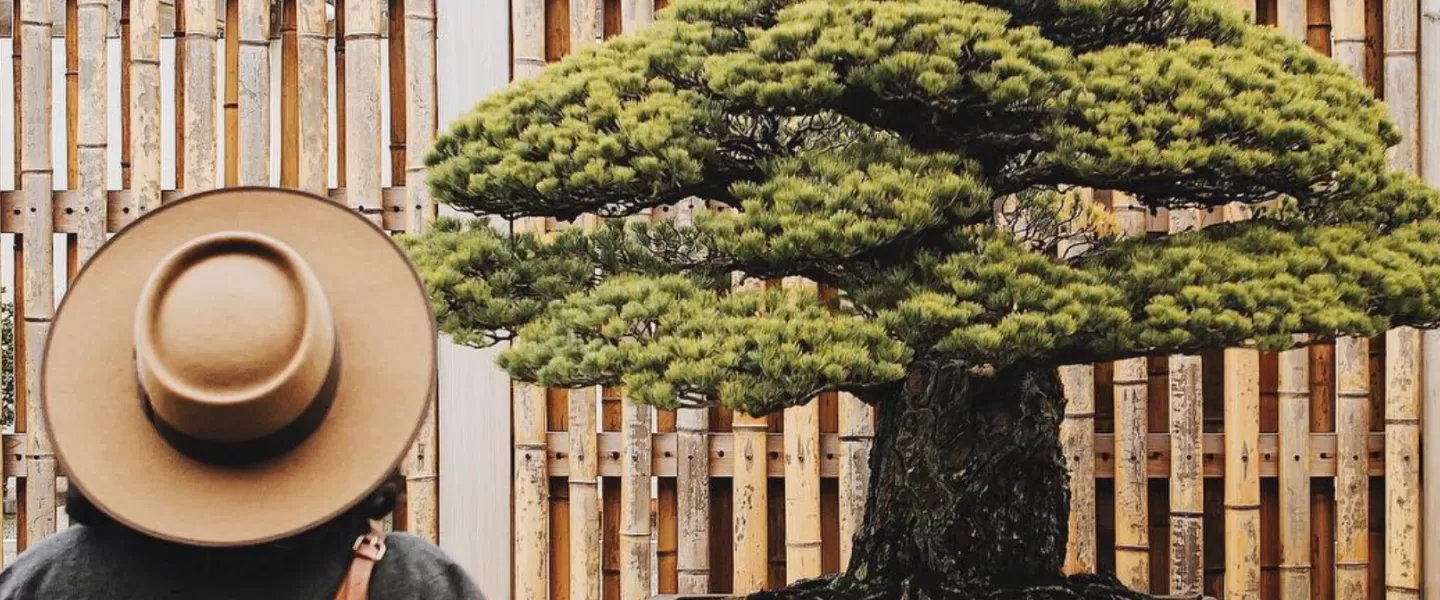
{"points": [[968, 496]]}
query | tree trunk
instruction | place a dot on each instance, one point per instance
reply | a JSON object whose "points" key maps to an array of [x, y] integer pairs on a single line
{"points": [[968, 497]]}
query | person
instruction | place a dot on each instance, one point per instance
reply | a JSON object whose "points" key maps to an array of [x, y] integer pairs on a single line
{"points": [[230, 385]]}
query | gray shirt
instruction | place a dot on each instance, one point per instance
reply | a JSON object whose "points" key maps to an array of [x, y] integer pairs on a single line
{"points": [[112, 563]]}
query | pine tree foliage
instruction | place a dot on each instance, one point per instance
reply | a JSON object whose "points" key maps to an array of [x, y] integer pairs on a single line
{"points": [[866, 145]]}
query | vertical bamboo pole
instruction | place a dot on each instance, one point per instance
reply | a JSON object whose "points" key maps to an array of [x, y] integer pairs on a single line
{"points": [[340, 96], [1321, 358], [312, 130], [584, 497], [1348, 35], [1291, 18], [693, 491], [398, 93], [635, 502], [1430, 169], [198, 108], [35, 182], [1402, 469], [1132, 516], [1242, 473], [289, 93], [144, 66], [421, 120], [1352, 479], [1186, 427], [857, 438], [586, 23], [1318, 30], [1352, 377], [177, 12], [1077, 437], [1187, 491], [610, 411], [72, 96], [1402, 346], [92, 28], [557, 419], [667, 516], [750, 501], [636, 13], [802, 482], [527, 30], [530, 495], [232, 92], [18, 31], [254, 91], [362, 106], [1293, 387]]}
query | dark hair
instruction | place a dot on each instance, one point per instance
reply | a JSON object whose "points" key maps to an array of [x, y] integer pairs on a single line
{"points": [[341, 529]]}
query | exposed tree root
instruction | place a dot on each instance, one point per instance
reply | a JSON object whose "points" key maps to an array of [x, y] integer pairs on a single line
{"points": [[844, 587]]}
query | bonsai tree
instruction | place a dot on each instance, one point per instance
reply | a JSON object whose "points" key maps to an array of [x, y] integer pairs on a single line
{"points": [[919, 159]]}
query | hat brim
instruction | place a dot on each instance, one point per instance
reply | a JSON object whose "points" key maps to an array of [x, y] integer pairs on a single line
{"points": [[113, 454]]}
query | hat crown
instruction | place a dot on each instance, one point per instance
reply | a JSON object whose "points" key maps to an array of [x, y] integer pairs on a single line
{"points": [[230, 322], [234, 339]]}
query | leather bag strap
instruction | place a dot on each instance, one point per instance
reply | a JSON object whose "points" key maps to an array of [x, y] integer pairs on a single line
{"points": [[369, 549]]}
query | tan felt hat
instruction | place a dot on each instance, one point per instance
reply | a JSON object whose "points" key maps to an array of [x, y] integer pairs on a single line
{"points": [[238, 366]]}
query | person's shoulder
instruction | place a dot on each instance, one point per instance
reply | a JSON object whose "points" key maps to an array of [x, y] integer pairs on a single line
{"points": [[412, 562], [50, 558]]}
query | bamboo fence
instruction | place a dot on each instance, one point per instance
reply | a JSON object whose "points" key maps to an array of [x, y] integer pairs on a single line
{"points": [[1232, 473], [73, 219]]}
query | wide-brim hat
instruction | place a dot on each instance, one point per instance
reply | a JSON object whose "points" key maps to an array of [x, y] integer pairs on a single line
{"points": [[238, 366]]}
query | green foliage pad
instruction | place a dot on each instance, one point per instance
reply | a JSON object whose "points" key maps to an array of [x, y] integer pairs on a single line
{"points": [[870, 146]]}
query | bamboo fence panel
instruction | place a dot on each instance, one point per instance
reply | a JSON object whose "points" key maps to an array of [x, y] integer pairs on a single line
{"points": [[1429, 95]]}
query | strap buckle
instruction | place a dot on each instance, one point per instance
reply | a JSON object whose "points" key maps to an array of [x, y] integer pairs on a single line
{"points": [[370, 545]]}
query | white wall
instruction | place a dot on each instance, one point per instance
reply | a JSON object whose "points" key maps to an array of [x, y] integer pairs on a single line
{"points": [[473, 61]]}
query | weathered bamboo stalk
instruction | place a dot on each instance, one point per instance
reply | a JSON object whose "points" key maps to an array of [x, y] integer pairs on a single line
{"points": [[751, 498], [1291, 18], [312, 115], [1077, 437], [1402, 457], [693, 490], [1430, 169], [362, 106], [635, 14], [587, 23], [1242, 473], [289, 93], [610, 400], [198, 107], [340, 95], [667, 515], [1402, 346], [1132, 536], [92, 26], [395, 44], [144, 66], [635, 502], [72, 89], [1293, 388], [1352, 481], [421, 119], [1318, 29], [1132, 515], [584, 497], [1187, 490], [857, 439], [802, 481], [527, 30], [232, 93], [532, 504], [1347, 19], [35, 181], [254, 81]]}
